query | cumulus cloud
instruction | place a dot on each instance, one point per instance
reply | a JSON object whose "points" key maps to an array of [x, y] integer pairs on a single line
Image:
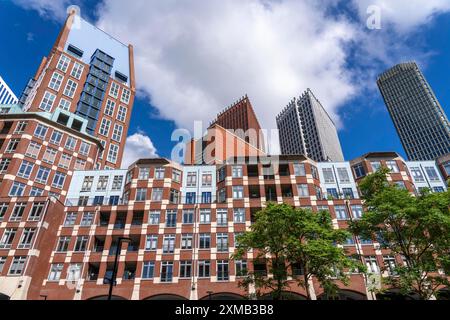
{"points": [[50, 9], [138, 146]]}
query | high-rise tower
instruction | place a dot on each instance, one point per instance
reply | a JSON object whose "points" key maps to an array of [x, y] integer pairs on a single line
{"points": [[420, 121], [6, 94], [305, 128]]}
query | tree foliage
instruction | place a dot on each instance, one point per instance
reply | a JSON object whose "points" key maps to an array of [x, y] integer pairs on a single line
{"points": [[295, 239], [414, 227]]}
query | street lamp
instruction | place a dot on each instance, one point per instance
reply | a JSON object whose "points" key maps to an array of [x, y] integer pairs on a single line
{"points": [[114, 274]]}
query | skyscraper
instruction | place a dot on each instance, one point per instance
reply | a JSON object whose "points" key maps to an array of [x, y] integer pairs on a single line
{"points": [[90, 74], [6, 94], [420, 121], [306, 128]]}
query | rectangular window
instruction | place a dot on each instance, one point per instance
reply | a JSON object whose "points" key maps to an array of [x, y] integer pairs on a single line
{"points": [[174, 196], [371, 264], [17, 266], [153, 217], [148, 270], [176, 175], [166, 271], [299, 169], [77, 70], [71, 142], [332, 193], [390, 265], [63, 244], [343, 175], [392, 165], [222, 242], [186, 241], [302, 190], [17, 189], [237, 172], [359, 170], [41, 131], [12, 146], [65, 161], [191, 180], [104, 127], [222, 270], [42, 175], [58, 180], [47, 101], [205, 216], [376, 165], [206, 179], [74, 272], [141, 194], [341, 212], [357, 211], [122, 113], [239, 215], [222, 217], [151, 242], [157, 194], [159, 173], [21, 125], [84, 148], [81, 244], [27, 238], [188, 216], [144, 173], [432, 174], [102, 183], [49, 155], [80, 164], [171, 218], [3, 209], [7, 238], [117, 183], [109, 108], [416, 173], [36, 211], [4, 164], [87, 219], [238, 192], [241, 268], [36, 192], [204, 241], [55, 81], [25, 169], [71, 217], [348, 193], [63, 63], [169, 243], [113, 153], [204, 267], [64, 104], [87, 184], [55, 272], [185, 269], [126, 94], [117, 132], [17, 213], [56, 137], [190, 197], [206, 197], [2, 263], [328, 175], [114, 90]]}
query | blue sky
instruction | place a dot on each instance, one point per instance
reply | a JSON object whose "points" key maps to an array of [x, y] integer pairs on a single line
{"points": [[185, 73]]}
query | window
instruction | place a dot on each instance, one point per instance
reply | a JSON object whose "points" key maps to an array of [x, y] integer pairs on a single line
{"points": [[58, 180], [25, 169], [17, 266], [104, 127], [49, 155], [174, 196], [166, 271], [27, 238], [18, 211], [400, 184], [117, 132], [102, 183], [438, 189], [151, 242], [36, 192], [41, 131], [190, 197], [191, 179], [332, 192], [328, 175], [3, 209], [222, 195], [392, 165], [81, 244], [109, 108], [71, 217], [241, 268], [157, 194], [238, 192], [204, 241], [55, 81], [114, 200], [17, 189], [237, 172], [143, 173], [359, 170], [159, 173], [169, 243], [205, 216], [64, 104], [357, 211], [117, 183], [432, 174], [185, 269], [390, 264], [204, 267], [343, 175], [176, 175], [63, 63], [47, 101], [341, 212], [153, 217], [80, 164], [303, 191], [171, 219], [36, 211], [222, 270], [222, 242], [188, 216], [372, 265], [7, 238], [314, 172], [348, 193], [206, 179], [141, 194], [71, 142], [4, 164], [77, 70], [222, 217], [84, 148], [206, 197], [2, 263], [239, 215], [87, 184], [221, 174], [148, 270], [42, 175], [20, 128], [122, 113], [63, 244], [98, 200], [125, 96], [114, 90], [113, 153], [87, 219], [186, 241], [56, 137], [65, 161], [12, 145], [417, 174], [299, 170], [55, 272], [74, 272], [376, 165]]}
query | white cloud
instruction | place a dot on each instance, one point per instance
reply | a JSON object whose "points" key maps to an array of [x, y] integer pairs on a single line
{"points": [[404, 15], [138, 146], [50, 9]]}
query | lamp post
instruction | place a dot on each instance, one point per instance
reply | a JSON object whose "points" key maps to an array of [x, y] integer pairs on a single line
{"points": [[114, 274]]}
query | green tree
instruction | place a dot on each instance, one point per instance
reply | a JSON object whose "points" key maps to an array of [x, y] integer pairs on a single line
{"points": [[295, 238], [415, 227]]}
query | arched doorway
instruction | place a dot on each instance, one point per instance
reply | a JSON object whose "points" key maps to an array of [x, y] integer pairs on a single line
{"points": [[223, 296], [344, 295], [166, 297], [4, 297], [106, 298], [285, 295]]}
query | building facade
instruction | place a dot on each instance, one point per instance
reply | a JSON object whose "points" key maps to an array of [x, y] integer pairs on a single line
{"points": [[419, 119], [7, 96], [306, 128]]}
